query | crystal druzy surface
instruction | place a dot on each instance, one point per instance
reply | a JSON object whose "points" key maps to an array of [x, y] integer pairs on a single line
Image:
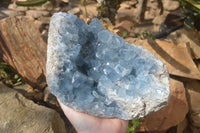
{"points": [[94, 71]]}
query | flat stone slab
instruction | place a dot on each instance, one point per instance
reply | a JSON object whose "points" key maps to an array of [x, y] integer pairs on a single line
{"points": [[92, 70], [20, 115]]}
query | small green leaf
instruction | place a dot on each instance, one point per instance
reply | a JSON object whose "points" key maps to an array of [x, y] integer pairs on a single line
{"points": [[132, 26], [124, 35], [5, 74], [133, 125], [19, 79], [16, 76]]}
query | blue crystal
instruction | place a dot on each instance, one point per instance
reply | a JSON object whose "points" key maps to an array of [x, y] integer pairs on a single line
{"points": [[95, 26], [92, 70], [78, 79], [105, 37], [117, 42]]}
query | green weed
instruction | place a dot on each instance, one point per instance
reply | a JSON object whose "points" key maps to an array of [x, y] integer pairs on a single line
{"points": [[143, 35], [133, 124], [8, 75], [124, 35]]}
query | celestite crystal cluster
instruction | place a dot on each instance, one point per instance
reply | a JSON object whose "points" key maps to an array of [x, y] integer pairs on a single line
{"points": [[92, 70]]}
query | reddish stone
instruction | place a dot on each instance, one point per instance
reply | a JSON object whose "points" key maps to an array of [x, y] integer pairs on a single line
{"points": [[177, 58], [24, 49]]}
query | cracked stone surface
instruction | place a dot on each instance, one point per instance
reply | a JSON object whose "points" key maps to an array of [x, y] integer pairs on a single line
{"points": [[92, 70]]}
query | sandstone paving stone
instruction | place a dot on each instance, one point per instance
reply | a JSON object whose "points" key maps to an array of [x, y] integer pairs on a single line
{"points": [[20, 115]]}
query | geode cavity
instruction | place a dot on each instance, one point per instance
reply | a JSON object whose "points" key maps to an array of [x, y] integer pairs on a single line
{"points": [[94, 71]]}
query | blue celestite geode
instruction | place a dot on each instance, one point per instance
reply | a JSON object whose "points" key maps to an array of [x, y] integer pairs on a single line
{"points": [[92, 70]]}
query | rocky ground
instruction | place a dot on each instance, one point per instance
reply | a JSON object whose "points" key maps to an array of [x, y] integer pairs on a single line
{"points": [[23, 41]]}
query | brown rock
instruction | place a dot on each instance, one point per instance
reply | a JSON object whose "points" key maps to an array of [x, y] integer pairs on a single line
{"points": [[44, 20], [171, 5], [37, 8], [190, 37], [56, 9], [126, 14], [132, 3], [125, 5], [181, 127], [170, 115], [4, 13], [75, 11], [41, 97], [24, 49], [177, 58], [125, 26], [48, 6], [21, 10], [65, 1], [19, 115], [193, 88], [91, 10], [39, 25], [45, 35], [198, 64], [12, 6], [159, 19], [28, 92], [195, 130], [37, 14]]}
